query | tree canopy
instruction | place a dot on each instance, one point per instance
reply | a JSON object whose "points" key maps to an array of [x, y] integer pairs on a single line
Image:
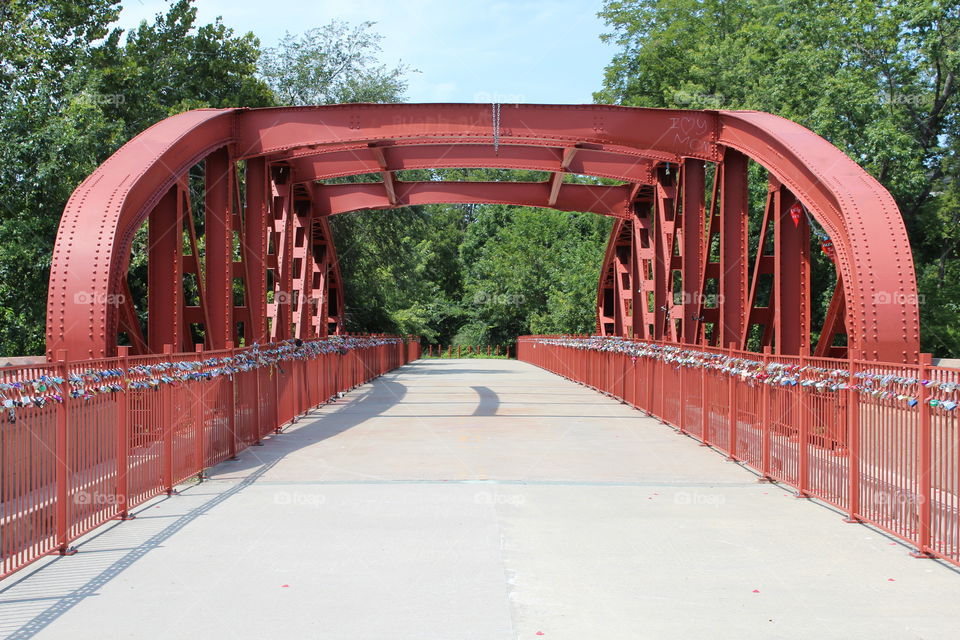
{"points": [[877, 78]]}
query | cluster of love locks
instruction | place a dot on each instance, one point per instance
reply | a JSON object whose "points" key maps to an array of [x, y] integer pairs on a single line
{"points": [[46, 388], [882, 385]]}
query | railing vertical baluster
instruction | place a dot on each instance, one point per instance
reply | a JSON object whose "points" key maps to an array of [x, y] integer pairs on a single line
{"points": [[802, 415], [925, 435], [277, 404], [853, 444], [123, 440], [683, 398], [704, 410], [166, 429], [63, 461], [732, 409], [765, 391], [232, 408], [199, 418]]}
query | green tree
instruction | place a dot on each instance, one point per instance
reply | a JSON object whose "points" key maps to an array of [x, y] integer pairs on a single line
{"points": [[73, 91], [334, 64], [531, 270], [876, 78]]}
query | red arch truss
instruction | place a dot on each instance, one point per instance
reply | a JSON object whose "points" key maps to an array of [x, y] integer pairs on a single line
{"points": [[680, 265]]}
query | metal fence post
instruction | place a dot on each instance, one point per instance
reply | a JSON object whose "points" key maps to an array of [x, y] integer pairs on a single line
{"points": [[803, 450], [705, 410], [232, 408], [166, 421], [277, 405], [765, 392], [853, 445], [683, 399], [199, 418], [62, 462], [925, 460], [732, 409], [123, 440]]}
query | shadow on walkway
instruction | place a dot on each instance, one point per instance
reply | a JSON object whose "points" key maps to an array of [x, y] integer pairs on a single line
{"points": [[94, 567]]}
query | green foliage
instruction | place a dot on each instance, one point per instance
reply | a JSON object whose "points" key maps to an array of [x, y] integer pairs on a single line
{"points": [[401, 270], [73, 90], [876, 78], [333, 64], [530, 270]]}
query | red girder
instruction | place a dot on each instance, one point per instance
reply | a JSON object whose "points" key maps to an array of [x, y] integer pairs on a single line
{"points": [[399, 157], [341, 198], [630, 144]]}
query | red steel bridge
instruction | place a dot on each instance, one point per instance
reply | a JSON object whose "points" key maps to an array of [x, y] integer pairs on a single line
{"points": [[705, 290]]}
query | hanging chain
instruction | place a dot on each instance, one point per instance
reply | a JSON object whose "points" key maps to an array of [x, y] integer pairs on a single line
{"points": [[496, 127]]}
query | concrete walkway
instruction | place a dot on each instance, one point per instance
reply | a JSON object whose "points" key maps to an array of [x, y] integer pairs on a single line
{"points": [[482, 499]]}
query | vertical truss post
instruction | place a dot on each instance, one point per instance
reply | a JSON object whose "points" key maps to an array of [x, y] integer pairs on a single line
{"points": [[304, 267], [791, 282], [638, 304], [164, 272], [665, 216], [734, 213], [218, 231], [254, 249], [692, 229], [282, 224]]}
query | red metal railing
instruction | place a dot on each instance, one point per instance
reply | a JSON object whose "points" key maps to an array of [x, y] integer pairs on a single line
{"points": [[82, 443], [877, 440]]}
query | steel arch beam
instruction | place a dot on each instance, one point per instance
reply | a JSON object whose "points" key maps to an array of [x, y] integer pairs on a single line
{"points": [[92, 250]]}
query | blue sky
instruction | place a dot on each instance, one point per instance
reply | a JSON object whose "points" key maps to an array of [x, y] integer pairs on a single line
{"points": [[536, 51]]}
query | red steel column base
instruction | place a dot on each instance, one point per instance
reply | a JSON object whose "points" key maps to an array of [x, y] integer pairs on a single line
{"points": [[922, 555], [853, 520], [64, 551]]}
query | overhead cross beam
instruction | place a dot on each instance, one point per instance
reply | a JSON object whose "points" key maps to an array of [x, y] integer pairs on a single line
{"points": [[342, 198], [399, 155]]}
